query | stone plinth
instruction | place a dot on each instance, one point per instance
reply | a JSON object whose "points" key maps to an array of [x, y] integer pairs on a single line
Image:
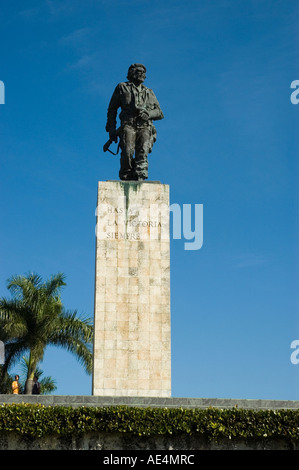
{"points": [[132, 355]]}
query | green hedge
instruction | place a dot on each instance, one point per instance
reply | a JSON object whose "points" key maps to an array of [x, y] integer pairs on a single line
{"points": [[210, 423]]}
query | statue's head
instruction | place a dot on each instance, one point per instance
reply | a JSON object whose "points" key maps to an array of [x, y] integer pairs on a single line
{"points": [[136, 73]]}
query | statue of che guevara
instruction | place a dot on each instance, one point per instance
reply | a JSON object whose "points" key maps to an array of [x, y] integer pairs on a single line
{"points": [[137, 134]]}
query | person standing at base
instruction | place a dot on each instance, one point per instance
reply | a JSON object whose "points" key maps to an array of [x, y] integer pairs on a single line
{"points": [[36, 386], [137, 134], [16, 386]]}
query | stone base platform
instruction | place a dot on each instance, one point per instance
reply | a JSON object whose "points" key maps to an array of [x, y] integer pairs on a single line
{"points": [[153, 402]]}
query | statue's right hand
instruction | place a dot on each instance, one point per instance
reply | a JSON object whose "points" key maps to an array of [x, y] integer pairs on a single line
{"points": [[144, 115]]}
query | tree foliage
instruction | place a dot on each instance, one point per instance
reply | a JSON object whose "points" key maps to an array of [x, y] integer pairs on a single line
{"points": [[34, 317]]}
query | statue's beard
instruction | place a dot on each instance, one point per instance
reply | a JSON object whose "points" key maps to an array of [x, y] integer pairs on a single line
{"points": [[138, 79]]}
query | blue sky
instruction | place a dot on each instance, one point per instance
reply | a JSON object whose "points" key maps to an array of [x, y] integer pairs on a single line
{"points": [[221, 71]]}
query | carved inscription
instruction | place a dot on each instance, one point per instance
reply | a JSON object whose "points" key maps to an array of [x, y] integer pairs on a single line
{"points": [[132, 223]]}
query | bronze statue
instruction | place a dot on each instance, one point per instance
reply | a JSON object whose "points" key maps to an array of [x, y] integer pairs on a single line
{"points": [[137, 134]]}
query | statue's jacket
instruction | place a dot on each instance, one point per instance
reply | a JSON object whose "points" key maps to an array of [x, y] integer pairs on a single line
{"points": [[132, 100]]}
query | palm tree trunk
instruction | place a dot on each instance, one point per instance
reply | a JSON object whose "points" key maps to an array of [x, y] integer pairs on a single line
{"points": [[30, 375], [28, 386]]}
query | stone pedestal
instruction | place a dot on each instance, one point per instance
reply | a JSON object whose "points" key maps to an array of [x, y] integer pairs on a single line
{"points": [[132, 355]]}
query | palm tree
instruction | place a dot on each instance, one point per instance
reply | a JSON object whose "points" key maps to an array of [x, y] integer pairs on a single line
{"points": [[35, 317]]}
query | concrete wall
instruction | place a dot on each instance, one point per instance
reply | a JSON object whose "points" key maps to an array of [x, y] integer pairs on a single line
{"points": [[118, 441], [171, 402], [126, 442]]}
